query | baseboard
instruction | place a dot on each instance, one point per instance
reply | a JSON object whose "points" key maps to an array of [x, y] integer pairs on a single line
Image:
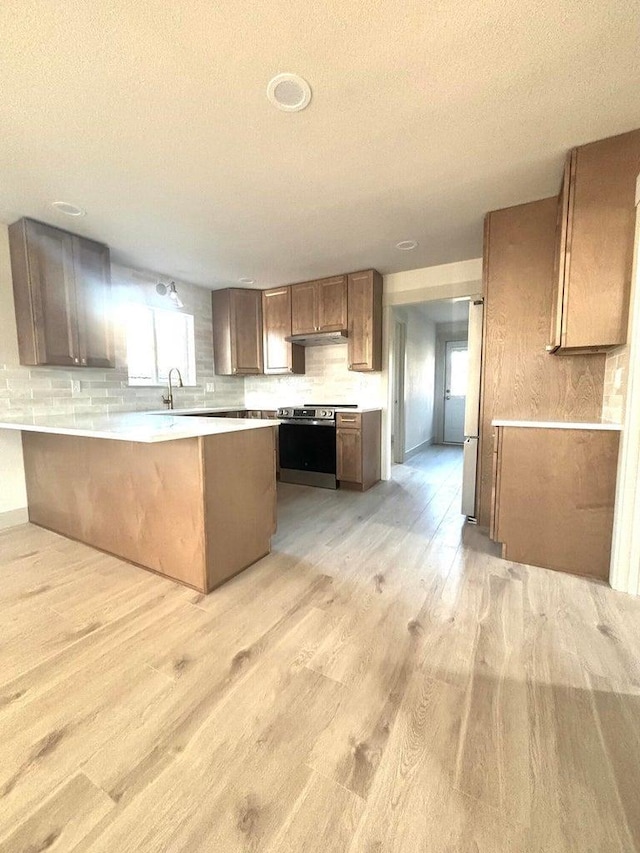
{"points": [[14, 517], [417, 449]]}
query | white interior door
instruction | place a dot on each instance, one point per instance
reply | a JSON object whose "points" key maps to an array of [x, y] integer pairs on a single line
{"points": [[456, 372]]}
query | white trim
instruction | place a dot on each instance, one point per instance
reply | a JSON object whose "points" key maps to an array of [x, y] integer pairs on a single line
{"points": [[625, 551], [399, 354], [418, 449], [14, 517]]}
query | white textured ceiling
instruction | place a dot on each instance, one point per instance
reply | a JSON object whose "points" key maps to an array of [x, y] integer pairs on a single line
{"points": [[444, 310], [152, 115]]}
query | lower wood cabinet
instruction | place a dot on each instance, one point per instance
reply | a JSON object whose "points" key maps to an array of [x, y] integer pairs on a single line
{"points": [[553, 497], [358, 449]]}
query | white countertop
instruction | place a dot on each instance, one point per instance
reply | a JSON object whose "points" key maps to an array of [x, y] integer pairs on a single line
{"points": [[144, 427], [556, 424], [211, 410]]}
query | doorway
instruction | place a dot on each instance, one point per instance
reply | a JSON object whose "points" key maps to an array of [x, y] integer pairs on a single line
{"points": [[456, 372], [430, 375]]}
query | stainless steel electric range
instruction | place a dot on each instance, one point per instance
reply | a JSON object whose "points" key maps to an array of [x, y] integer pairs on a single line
{"points": [[307, 437]]}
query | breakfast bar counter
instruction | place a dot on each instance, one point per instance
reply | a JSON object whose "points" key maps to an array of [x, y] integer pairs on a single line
{"points": [[193, 499]]}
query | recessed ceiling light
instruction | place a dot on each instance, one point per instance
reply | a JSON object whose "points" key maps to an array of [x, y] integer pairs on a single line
{"points": [[407, 245], [245, 280], [68, 208], [289, 92]]}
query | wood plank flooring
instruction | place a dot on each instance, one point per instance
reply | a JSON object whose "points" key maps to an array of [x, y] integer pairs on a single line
{"points": [[381, 683]]}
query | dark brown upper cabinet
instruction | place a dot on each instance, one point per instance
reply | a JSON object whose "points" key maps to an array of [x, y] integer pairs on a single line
{"points": [[62, 292], [319, 306], [594, 249], [237, 331], [364, 341], [279, 355]]}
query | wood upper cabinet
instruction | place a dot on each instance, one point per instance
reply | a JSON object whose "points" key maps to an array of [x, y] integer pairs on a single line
{"points": [[358, 437], [594, 252], [62, 291], [279, 355], [319, 306], [93, 303], [237, 331], [365, 321]]}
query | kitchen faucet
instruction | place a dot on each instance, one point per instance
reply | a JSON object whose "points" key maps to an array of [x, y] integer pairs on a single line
{"points": [[168, 400]]}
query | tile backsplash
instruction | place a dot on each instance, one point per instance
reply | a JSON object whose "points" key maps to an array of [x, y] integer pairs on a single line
{"points": [[34, 391], [615, 385], [327, 380], [48, 390]]}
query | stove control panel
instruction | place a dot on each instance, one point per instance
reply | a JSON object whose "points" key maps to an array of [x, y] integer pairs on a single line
{"points": [[308, 413]]}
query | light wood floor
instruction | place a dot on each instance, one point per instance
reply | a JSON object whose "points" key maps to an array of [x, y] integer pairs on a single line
{"points": [[380, 683]]}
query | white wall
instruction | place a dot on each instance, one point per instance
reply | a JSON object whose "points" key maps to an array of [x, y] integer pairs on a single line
{"points": [[419, 379], [327, 380], [13, 494]]}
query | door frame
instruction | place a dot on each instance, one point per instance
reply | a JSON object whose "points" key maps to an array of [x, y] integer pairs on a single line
{"points": [[624, 573], [399, 364], [438, 403], [448, 344]]}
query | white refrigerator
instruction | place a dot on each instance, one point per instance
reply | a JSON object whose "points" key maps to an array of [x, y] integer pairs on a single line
{"points": [[472, 411]]}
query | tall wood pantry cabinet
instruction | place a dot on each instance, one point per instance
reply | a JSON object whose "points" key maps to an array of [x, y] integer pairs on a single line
{"points": [[62, 292]]}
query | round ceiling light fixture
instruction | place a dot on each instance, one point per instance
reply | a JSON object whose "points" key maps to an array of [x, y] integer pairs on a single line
{"points": [[289, 92], [246, 280], [407, 245], [68, 209]]}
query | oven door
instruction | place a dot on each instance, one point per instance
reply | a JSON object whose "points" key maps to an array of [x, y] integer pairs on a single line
{"points": [[308, 453]]}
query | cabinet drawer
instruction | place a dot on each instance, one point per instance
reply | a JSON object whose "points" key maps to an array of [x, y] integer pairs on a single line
{"points": [[348, 420]]}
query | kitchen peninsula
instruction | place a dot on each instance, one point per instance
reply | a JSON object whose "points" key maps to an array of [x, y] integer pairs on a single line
{"points": [[193, 499]]}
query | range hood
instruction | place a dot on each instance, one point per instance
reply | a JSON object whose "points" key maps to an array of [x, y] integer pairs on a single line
{"points": [[318, 339]]}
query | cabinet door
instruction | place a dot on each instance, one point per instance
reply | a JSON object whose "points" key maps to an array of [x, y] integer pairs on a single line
{"points": [[93, 295], [349, 455], [279, 355], [600, 238], [246, 331], [332, 304], [52, 285], [303, 308], [365, 321], [558, 307]]}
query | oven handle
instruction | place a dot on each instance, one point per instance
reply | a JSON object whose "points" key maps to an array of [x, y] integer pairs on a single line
{"points": [[307, 422]]}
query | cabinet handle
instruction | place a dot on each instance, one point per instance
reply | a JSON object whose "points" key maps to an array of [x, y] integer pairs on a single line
{"points": [[347, 420]]}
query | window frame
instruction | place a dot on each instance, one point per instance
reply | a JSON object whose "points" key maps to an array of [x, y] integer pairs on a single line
{"points": [[189, 375]]}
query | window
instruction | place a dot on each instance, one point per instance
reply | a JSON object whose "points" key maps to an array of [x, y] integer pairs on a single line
{"points": [[158, 340], [459, 372]]}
